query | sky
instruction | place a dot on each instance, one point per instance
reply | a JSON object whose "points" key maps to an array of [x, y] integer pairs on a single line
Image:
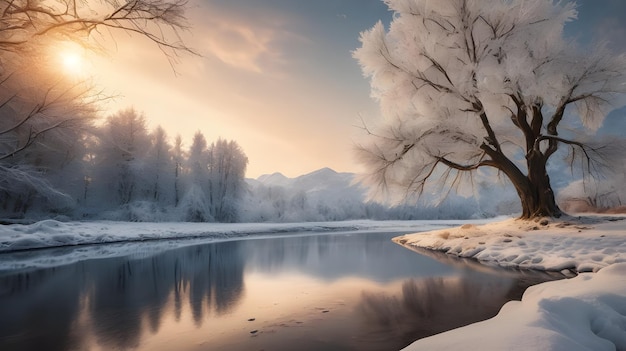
{"points": [[277, 76]]}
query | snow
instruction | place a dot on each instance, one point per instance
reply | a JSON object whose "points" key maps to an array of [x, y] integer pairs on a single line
{"points": [[584, 244], [587, 312]]}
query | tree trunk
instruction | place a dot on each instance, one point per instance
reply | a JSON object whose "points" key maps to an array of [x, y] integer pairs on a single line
{"points": [[538, 201], [536, 193], [533, 189]]}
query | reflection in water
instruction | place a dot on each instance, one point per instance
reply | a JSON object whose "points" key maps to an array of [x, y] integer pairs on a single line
{"points": [[429, 306], [122, 295], [332, 257], [326, 292]]}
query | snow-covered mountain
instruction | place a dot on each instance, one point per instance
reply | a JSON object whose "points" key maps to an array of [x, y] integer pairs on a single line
{"points": [[323, 182], [274, 179]]}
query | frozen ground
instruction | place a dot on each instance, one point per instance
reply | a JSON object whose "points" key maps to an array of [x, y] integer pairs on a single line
{"points": [[587, 312]]}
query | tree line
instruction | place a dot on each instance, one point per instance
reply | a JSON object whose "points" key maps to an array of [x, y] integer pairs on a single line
{"points": [[121, 170]]}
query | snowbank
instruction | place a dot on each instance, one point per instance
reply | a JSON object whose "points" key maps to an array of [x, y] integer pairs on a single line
{"points": [[50, 233], [577, 244], [587, 312]]}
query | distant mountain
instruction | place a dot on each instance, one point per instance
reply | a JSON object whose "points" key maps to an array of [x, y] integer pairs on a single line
{"points": [[324, 182], [324, 178], [317, 196], [274, 179], [329, 195]]}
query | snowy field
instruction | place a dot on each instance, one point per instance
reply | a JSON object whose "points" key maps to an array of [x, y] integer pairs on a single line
{"points": [[587, 312]]}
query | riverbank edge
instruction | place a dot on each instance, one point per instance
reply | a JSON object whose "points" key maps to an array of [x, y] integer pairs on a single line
{"points": [[568, 245], [588, 304]]}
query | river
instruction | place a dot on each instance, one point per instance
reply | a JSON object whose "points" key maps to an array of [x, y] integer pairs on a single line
{"points": [[337, 291]]}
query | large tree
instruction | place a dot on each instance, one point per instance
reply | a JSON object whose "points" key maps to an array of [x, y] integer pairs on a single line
{"points": [[466, 84]]}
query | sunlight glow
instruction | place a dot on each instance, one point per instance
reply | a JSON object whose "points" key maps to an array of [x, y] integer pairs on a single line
{"points": [[72, 60]]}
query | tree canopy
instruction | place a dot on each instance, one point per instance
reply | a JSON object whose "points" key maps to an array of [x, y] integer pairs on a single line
{"points": [[465, 84]]}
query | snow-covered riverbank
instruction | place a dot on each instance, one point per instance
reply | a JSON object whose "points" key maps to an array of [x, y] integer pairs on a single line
{"points": [[584, 313], [578, 244], [51, 233], [587, 312], [69, 242]]}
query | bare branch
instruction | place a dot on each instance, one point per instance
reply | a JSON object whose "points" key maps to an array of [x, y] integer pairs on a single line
{"points": [[24, 21]]}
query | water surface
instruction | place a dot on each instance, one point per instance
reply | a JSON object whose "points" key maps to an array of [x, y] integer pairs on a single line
{"points": [[356, 291]]}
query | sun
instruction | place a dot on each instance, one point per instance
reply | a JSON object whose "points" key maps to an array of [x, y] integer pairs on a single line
{"points": [[71, 60], [72, 63]]}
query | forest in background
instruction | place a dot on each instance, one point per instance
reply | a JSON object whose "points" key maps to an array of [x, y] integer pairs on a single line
{"points": [[120, 170]]}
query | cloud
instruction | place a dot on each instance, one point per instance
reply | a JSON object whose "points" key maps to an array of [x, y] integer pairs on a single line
{"points": [[242, 38], [267, 79], [240, 46]]}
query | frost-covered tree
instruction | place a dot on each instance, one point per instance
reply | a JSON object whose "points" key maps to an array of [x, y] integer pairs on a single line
{"points": [[216, 180], [42, 118], [122, 154], [177, 163], [198, 160], [194, 205], [158, 167], [227, 169], [465, 84]]}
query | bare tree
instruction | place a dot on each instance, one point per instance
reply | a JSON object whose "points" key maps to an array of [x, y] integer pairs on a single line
{"points": [[470, 84]]}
